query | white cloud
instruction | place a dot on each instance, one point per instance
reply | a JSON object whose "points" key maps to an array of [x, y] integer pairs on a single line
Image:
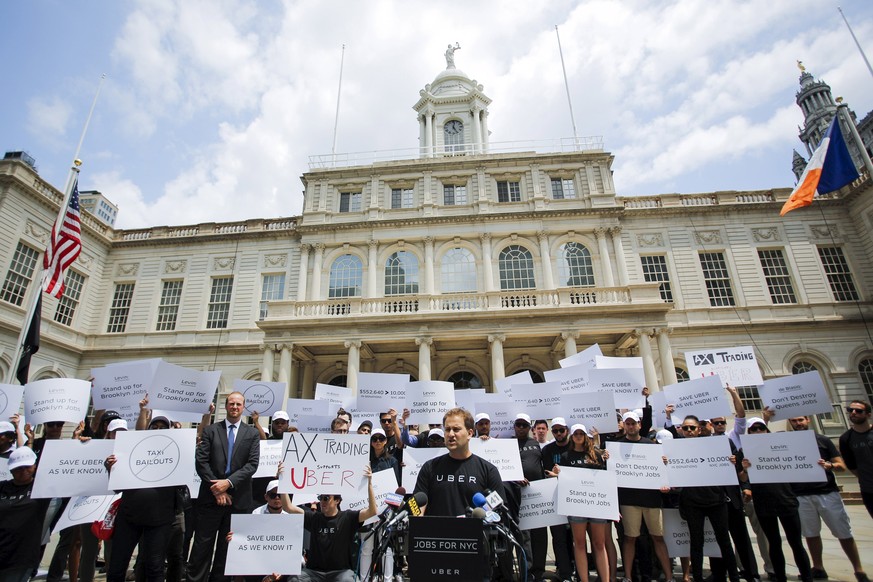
{"points": [[48, 117]]}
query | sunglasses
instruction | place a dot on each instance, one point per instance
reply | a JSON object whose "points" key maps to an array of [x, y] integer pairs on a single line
{"points": [[273, 495], [850, 410], [756, 428], [719, 422], [54, 424], [384, 420], [521, 425], [689, 428], [378, 439], [323, 498], [558, 430]]}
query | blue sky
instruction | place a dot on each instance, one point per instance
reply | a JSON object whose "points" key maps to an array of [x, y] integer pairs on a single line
{"points": [[211, 108]]}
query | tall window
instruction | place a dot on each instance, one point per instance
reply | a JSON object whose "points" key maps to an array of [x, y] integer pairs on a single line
{"points": [[655, 271], [168, 309], [272, 289], [69, 301], [463, 380], [574, 265], [401, 274], [749, 397], [508, 191], [563, 188], [346, 277], [454, 195], [839, 276], [717, 279], [402, 197], [120, 308], [516, 268], [865, 368], [453, 136], [19, 274], [458, 271], [350, 202], [777, 276], [219, 303], [681, 375]]}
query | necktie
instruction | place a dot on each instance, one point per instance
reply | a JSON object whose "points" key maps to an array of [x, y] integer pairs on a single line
{"points": [[230, 441]]}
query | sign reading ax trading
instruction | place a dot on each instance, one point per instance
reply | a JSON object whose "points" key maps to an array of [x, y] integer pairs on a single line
{"points": [[323, 463]]}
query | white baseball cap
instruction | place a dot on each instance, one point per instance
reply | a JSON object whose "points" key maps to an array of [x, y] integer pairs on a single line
{"points": [[436, 432], [482, 416], [274, 484], [581, 427], [558, 421], [117, 424], [6, 427], [21, 457], [376, 431], [523, 416], [663, 435], [630, 414], [281, 415]]}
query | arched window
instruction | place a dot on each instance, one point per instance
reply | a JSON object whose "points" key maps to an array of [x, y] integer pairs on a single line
{"points": [[865, 368], [574, 265], [458, 271], [453, 136], [346, 277], [401, 274], [681, 375], [463, 380], [339, 381], [516, 269]]}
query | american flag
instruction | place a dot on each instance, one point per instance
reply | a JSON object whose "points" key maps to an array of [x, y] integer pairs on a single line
{"points": [[63, 248]]}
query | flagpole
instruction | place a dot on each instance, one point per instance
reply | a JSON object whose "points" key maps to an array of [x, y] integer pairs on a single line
{"points": [[567, 87], [339, 92], [843, 110], [857, 44]]}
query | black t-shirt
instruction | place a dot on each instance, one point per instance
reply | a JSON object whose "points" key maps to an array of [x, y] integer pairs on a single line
{"points": [[826, 451], [451, 483], [21, 521], [531, 459], [150, 506], [552, 454], [857, 450], [579, 459], [331, 539], [638, 497], [391, 447]]}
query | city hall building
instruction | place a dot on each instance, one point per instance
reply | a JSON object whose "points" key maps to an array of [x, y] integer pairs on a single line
{"points": [[462, 261]]}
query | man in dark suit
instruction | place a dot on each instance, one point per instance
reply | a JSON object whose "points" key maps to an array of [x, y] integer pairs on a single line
{"points": [[226, 459]]}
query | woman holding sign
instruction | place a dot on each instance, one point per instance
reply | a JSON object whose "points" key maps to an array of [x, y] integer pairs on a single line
{"points": [[583, 454]]}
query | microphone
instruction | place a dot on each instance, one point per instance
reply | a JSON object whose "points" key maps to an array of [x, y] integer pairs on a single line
{"points": [[493, 502], [479, 513], [411, 507]]}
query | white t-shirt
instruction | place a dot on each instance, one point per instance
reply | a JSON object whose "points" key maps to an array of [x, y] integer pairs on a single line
{"points": [[264, 509]]}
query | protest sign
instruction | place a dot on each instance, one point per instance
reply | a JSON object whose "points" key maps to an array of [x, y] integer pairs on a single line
{"points": [[678, 540], [798, 395], [194, 484], [658, 402], [339, 395], [10, 400], [56, 399], [735, 366], [607, 362], [468, 397], [265, 544], [542, 401], [70, 468], [504, 385], [596, 410], [503, 454], [537, 507], [429, 400], [186, 392], [695, 462], [122, 385], [413, 459], [783, 457], [323, 463], [270, 456], [626, 385], [637, 465], [265, 398], [703, 397], [153, 458], [314, 423], [86, 509], [384, 484], [502, 417], [5, 473], [587, 493], [574, 379], [587, 358], [379, 392], [297, 407]]}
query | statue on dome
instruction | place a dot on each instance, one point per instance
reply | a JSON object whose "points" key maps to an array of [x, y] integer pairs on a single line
{"points": [[450, 55]]}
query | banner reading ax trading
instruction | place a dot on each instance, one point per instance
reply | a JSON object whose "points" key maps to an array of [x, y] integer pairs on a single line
{"points": [[323, 463]]}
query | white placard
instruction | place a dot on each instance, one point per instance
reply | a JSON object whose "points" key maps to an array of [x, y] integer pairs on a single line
{"points": [[5, 473], [10, 400], [339, 395], [85, 510], [606, 362], [153, 458], [783, 457], [658, 402], [323, 463], [504, 385], [538, 502], [265, 544], [703, 397], [122, 385], [270, 456], [596, 410], [543, 401], [194, 484], [56, 399], [297, 407], [679, 541], [574, 379], [467, 398], [701, 461], [379, 392], [384, 483], [587, 358], [314, 423], [587, 493], [502, 417], [503, 454], [798, 395], [626, 384], [71, 468], [265, 398], [429, 400], [735, 366], [637, 465], [183, 390], [413, 459]]}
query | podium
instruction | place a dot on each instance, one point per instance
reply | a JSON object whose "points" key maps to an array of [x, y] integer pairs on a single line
{"points": [[447, 547]]}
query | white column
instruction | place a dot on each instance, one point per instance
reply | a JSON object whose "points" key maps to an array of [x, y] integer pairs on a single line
{"points": [[498, 367], [648, 360], [486, 261], [293, 391], [484, 132], [354, 347], [422, 136], [316, 273], [428, 132], [373, 269], [304, 267], [267, 363], [618, 248], [545, 257], [428, 266], [668, 369], [477, 131], [424, 344], [308, 387], [605, 263], [375, 199], [569, 343], [285, 370]]}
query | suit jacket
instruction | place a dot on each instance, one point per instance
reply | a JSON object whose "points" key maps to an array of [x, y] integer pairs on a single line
{"points": [[211, 462]]}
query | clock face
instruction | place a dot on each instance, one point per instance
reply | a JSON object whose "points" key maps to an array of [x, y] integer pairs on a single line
{"points": [[454, 127]]}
